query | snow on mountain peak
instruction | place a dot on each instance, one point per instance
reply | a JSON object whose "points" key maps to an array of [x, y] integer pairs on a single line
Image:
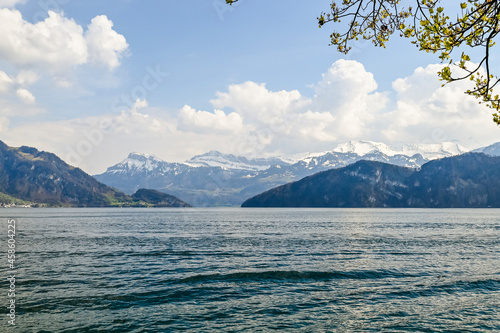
{"points": [[142, 156], [433, 151], [228, 161], [139, 162], [492, 150], [364, 147], [429, 151]]}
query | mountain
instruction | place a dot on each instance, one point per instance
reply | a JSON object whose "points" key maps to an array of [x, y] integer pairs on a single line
{"points": [[140, 171], [232, 162], [159, 199], [427, 151], [492, 150], [470, 181], [217, 179], [29, 176]]}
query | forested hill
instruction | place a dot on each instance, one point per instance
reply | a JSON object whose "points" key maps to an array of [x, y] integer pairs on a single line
{"points": [[29, 176], [471, 181]]}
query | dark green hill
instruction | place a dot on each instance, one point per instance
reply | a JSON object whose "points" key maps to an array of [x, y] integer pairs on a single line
{"points": [[29, 175], [470, 180], [159, 199]]}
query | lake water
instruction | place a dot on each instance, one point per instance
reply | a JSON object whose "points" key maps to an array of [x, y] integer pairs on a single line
{"points": [[254, 270]]}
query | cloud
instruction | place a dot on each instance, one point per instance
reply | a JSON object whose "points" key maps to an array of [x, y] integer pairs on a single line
{"points": [[58, 43], [6, 82], [426, 111], [255, 102], [90, 142], [105, 45], [348, 92], [347, 105], [18, 84], [343, 107], [95, 143], [315, 126], [344, 80], [204, 122], [138, 105], [53, 46], [266, 115], [10, 3], [16, 107], [251, 120], [26, 77], [25, 96], [23, 79]]}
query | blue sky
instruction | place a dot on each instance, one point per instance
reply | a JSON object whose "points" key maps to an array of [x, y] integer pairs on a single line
{"points": [[94, 80]]}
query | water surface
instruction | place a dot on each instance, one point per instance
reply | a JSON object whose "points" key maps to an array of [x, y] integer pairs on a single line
{"points": [[256, 270]]}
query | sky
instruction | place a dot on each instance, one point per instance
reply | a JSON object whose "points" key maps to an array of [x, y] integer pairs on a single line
{"points": [[92, 81]]}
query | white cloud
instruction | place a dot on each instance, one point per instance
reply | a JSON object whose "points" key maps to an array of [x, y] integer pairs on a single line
{"points": [[10, 3], [250, 119], [10, 84], [266, 116], [16, 107], [344, 107], [105, 45], [138, 105], [26, 77], [347, 105], [94, 143], [90, 142], [344, 80], [348, 92], [63, 82], [428, 112], [255, 102], [204, 122], [52, 46], [315, 126], [25, 96], [58, 43], [6, 82]]}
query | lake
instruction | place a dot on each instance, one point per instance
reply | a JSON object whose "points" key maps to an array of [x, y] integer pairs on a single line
{"points": [[253, 270]]}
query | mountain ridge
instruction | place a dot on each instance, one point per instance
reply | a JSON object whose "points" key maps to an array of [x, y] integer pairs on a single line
{"points": [[470, 180], [32, 177], [217, 179]]}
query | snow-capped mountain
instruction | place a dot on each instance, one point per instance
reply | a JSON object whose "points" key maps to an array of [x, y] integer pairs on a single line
{"points": [[217, 179], [428, 151], [140, 171], [364, 147], [492, 150], [334, 160], [409, 155], [137, 163], [232, 162]]}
